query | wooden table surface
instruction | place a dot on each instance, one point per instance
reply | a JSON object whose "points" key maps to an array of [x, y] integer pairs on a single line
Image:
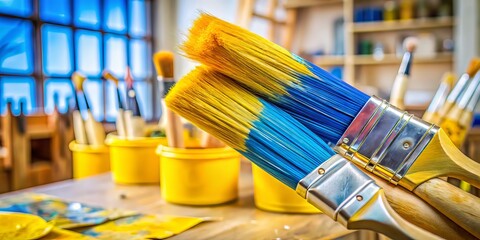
{"points": [[240, 218]]}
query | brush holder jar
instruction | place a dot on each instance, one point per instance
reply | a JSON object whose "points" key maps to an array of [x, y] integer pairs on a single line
{"points": [[201, 176], [89, 160], [133, 160]]}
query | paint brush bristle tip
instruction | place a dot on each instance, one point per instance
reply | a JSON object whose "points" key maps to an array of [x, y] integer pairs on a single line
{"points": [[163, 61]]}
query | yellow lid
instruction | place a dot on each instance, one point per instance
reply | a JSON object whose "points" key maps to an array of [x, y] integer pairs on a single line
{"points": [[76, 147], [196, 153], [114, 140]]}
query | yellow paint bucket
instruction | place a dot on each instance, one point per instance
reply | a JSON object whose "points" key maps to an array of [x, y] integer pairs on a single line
{"points": [[134, 161], [199, 176], [272, 195], [89, 160]]}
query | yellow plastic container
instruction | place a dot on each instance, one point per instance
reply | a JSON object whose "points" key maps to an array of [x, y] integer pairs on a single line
{"points": [[134, 161], [89, 160], [272, 195], [199, 176]]}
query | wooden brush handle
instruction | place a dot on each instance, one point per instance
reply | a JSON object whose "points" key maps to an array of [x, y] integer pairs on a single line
{"points": [[441, 158], [95, 131], [399, 88], [79, 128], [120, 123], [418, 212], [174, 130], [458, 205], [379, 216]]}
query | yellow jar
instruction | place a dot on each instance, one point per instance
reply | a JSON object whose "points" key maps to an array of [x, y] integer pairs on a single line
{"points": [[134, 160], [272, 195], [199, 176], [89, 160]]}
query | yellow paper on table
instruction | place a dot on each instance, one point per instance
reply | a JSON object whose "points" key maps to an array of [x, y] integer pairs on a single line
{"points": [[22, 226], [62, 234], [144, 227], [66, 214]]}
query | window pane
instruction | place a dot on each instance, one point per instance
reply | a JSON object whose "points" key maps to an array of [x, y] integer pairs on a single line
{"points": [[16, 52], [94, 92], [111, 104], [116, 54], [13, 89], [88, 52], [138, 17], [56, 11], [87, 13], [139, 60], [115, 16], [22, 8], [57, 50], [63, 89]]}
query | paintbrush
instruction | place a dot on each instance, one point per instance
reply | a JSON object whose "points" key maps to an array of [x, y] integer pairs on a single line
{"points": [[455, 124], [94, 130], [431, 114], [120, 122], [460, 87], [163, 61], [284, 148], [78, 123], [375, 135], [134, 123], [397, 95]]}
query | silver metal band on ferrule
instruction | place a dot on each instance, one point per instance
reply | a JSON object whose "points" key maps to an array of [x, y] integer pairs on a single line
{"points": [[338, 188], [385, 140], [165, 84]]}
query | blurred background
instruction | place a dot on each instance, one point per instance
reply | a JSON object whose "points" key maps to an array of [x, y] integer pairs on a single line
{"points": [[43, 42]]}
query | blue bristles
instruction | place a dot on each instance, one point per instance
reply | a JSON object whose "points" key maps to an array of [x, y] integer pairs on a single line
{"points": [[326, 105], [283, 147]]}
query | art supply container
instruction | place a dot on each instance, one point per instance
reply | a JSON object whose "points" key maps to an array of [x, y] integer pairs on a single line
{"points": [[199, 176], [133, 160], [272, 195], [89, 160]]}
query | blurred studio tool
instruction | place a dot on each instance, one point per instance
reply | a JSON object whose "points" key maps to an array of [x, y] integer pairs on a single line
{"points": [[169, 121], [120, 121], [397, 95], [95, 134], [134, 123], [438, 100]]}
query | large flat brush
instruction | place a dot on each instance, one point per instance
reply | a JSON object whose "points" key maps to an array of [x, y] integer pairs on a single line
{"points": [[370, 132], [284, 148]]}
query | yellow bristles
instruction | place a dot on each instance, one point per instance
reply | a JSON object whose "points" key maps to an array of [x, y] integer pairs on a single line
{"points": [[219, 44], [473, 67], [77, 80], [229, 119], [108, 75], [163, 62]]}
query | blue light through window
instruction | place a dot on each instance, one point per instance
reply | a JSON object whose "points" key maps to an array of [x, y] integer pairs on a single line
{"points": [[116, 54], [87, 13], [138, 59], [16, 50], [115, 16], [21, 8], [88, 52], [138, 18], [14, 89], [57, 50], [63, 89], [55, 11]]}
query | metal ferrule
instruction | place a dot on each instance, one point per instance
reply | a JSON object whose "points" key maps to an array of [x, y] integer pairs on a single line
{"points": [[165, 85], [338, 188], [385, 140]]}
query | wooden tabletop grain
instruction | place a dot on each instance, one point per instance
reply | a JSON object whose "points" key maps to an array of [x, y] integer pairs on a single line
{"points": [[240, 218]]}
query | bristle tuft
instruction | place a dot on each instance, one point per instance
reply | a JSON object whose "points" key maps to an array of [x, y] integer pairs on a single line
{"points": [[410, 43], [109, 76], [323, 103], [266, 135], [77, 80], [163, 62], [473, 67]]}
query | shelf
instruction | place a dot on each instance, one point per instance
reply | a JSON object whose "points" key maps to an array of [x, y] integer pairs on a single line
{"points": [[309, 3], [393, 59], [328, 60], [402, 25]]}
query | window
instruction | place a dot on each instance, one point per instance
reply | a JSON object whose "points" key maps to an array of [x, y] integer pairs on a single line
{"points": [[43, 42]]}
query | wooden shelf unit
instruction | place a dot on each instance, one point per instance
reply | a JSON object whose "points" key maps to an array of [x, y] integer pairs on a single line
{"points": [[393, 59], [398, 25]]}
